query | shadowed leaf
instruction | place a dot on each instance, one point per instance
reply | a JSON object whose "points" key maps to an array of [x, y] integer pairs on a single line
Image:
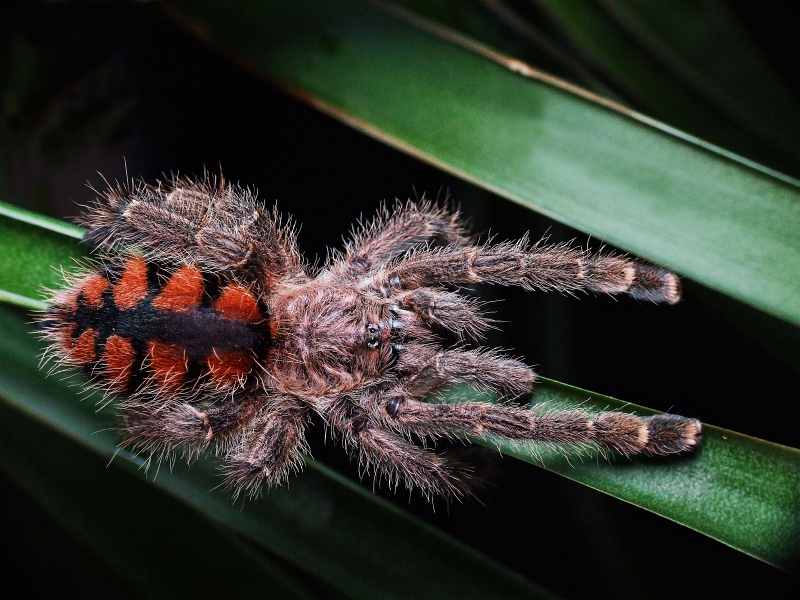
{"points": [[633, 182], [742, 491]]}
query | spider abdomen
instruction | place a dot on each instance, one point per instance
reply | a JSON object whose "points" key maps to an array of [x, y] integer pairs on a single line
{"points": [[138, 325]]}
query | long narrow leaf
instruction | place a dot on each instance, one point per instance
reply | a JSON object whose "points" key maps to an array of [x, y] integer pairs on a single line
{"points": [[622, 177], [498, 25], [723, 64], [345, 536], [741, 491], [34, 247], [713, 85], [163, 547]]}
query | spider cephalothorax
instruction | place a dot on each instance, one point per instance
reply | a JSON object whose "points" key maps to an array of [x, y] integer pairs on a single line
{"points": [[206, 321]]}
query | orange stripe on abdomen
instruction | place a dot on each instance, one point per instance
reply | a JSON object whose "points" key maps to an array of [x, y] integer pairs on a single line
{"points": [[118, 358], [239, 304], [65, 332], [83, 351], [169, 364], [132, 286], [228, 368], [183, 291], [92, 289]]}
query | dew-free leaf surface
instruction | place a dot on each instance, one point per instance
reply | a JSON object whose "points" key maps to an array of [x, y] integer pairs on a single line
{"points": [[321, 523], [739, 490], [617, 175]]}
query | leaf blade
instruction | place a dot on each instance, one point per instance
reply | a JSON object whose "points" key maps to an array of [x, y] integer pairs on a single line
{"points": [[286, 526], [715, 85], [118, 517], [311, 523], [731, 475], [667, 197]]}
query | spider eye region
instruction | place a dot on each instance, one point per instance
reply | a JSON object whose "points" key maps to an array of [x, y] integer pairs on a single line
{"points": [[373, 337], [393, 406]]}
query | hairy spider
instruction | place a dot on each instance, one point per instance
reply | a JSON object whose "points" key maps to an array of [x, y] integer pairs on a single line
{"points": [[204, 317]]}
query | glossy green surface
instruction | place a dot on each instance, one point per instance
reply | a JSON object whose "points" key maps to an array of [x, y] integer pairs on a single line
{"points": [[132, 526], [690, 63], [344, 537], [632, 182], [701, 45], [742, 491], [34, 248]]}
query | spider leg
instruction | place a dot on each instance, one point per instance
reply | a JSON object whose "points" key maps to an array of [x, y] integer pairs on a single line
{"points": [[426, 369], [440, 309], [396, 459], [219, 226], [157, 431], [620, 432], [557, 267], [271, 445], [394, 232]]}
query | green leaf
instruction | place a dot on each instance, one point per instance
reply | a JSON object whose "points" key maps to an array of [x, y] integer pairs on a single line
{"points": [[737, 489], [499, 26], [131, 525], [322, 523], [32, 256], [722, 63], [595, 166], [714, 84], [742, 491], [691, 64]]}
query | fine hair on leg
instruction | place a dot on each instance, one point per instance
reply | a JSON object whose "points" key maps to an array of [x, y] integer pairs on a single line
{"points": [[271, 445], [558, 267], [393, 232], [395, 459], [428, 369], [620, 432], [209, 222]]}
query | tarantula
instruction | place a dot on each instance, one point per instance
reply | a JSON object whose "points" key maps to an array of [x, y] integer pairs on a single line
{"points": [[203, 316]]}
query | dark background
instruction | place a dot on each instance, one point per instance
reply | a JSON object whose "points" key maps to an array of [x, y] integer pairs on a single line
{"points": [[122, 81]]}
